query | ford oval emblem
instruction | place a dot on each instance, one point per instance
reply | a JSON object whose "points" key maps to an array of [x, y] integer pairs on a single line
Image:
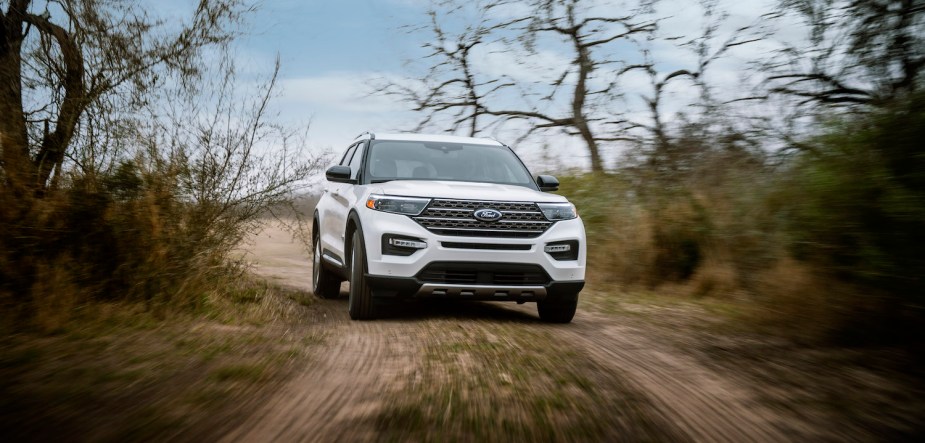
{"points": [[487, 215]]}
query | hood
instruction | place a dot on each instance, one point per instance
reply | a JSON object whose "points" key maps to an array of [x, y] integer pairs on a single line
{"points": [[463, 191]]}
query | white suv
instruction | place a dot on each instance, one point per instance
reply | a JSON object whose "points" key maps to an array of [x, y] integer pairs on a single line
{"points": [[435, 216]]}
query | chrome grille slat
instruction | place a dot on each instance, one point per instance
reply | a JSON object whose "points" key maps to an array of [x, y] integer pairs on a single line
{"points": [[454, 217], [476, 204], [498, 230], [476, 221]]}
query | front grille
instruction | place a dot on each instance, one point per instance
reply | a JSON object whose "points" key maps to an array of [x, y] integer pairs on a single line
{"points": [[501, 274], [454, 217]]}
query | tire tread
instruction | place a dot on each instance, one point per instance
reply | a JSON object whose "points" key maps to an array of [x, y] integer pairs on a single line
{"points": [[360, 305], [557, 311]]}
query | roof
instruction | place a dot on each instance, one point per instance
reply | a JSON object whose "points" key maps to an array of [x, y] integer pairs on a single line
{"points": [[437, 138]]}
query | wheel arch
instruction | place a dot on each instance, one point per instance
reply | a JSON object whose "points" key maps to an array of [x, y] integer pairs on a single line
{"points": [[316, 232], [340, 271], [353, 225]]}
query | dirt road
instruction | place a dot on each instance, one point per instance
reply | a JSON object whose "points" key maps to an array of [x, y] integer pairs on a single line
{"points": [[630, 386]]}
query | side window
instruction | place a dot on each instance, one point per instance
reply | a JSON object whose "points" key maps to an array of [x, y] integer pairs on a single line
{"points": [[357, 159], [347, 156]]}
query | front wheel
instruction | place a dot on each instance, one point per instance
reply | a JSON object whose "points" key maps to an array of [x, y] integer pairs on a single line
{"points": [[360, 304], [324, 283], [557, 311]]}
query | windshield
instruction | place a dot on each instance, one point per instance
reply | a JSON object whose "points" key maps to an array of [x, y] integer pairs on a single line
{"points": [[416, 160]]}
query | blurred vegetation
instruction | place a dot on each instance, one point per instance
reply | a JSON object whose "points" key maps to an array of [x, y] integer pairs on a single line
{"points": [[859, 198], [132, 162], [824, 243]]}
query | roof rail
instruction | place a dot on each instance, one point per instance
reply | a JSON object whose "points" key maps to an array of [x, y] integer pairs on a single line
{"points": [[371, 135], [491, 137]]}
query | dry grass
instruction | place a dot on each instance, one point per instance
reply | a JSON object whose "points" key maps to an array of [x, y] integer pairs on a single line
{"points": [[714, 278], [55, 295], [722, 239], [85, 244]]}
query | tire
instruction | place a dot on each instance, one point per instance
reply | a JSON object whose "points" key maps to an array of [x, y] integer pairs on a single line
{"points": [[557, 311], [325, 284], [360, 304]]}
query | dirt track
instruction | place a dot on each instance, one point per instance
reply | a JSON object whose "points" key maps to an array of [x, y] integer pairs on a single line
{"points": [[367, 365]]}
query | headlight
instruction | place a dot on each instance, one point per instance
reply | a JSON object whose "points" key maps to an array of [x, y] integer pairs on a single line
{"points": [[398, 205], [558, 211]]}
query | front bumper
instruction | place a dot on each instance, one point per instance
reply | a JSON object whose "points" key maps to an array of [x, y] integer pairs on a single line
{"points": [[396, 275]]}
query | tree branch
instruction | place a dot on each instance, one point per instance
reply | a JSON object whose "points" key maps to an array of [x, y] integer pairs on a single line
{"points": [[55, 143]]}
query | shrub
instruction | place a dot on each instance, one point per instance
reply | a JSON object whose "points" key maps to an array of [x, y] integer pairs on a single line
{"points": [[825, 244], [855, 209], [155, 222], [857, 199]]}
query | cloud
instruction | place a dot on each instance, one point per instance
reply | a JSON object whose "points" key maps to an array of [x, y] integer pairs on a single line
{"points": [[339, 91], [340, 105]]}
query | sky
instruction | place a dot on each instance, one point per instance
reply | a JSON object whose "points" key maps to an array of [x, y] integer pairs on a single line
{"points": [[332, 52]]}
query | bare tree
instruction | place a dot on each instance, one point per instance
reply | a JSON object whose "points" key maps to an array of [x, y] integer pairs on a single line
{"points": [[586, 33], [860, 52], [222, 151], [454, 85], [58, 62], [707, 113]]}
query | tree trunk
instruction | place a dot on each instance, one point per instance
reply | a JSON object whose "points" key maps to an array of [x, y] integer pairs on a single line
{"points": [[580, 122], [55, 144], [596, 164], [14, 142]]}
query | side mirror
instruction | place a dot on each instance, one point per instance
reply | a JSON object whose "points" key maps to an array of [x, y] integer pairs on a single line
{"points": [[547, 183], [339, 174]]}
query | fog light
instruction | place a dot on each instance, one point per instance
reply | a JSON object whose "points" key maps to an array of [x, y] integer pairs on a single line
{"points": [[558, 248], [562, 250], [403, 243]]}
